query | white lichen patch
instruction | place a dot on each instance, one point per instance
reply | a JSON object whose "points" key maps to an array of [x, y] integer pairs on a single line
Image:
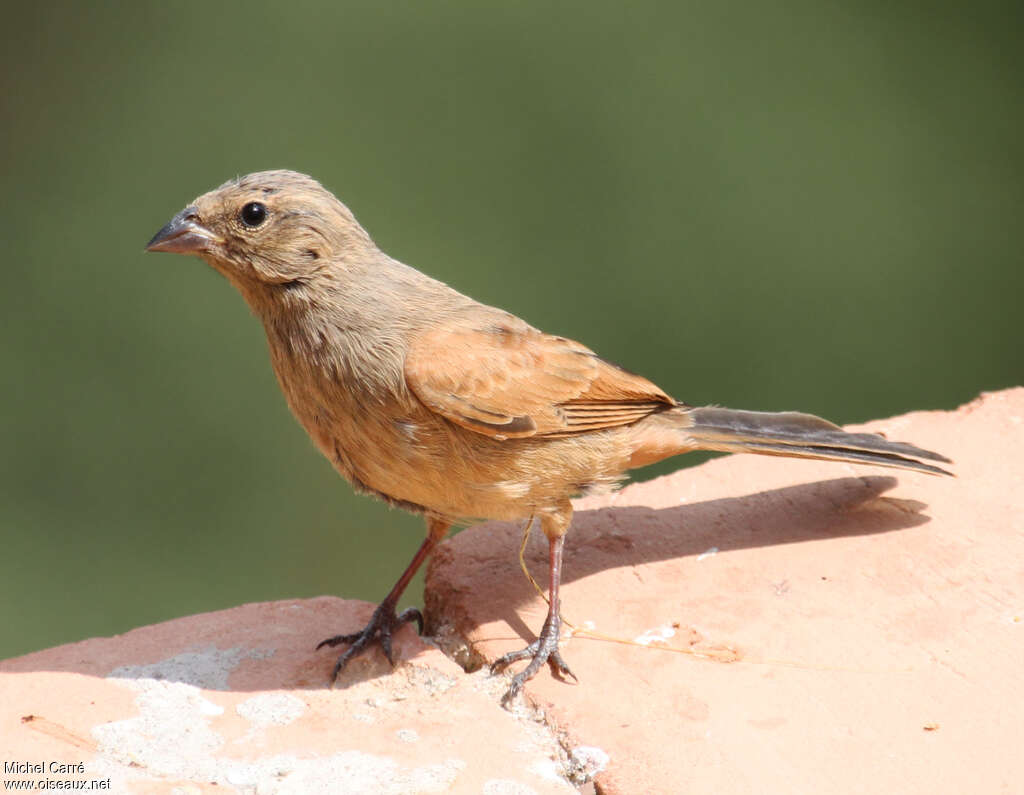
{"points": [[206, 668], [346, 773], [588, 760], [551, 771], [657, 635], [502, 786], [170, 734], [176, 735], [171, 737], [271, 709]]}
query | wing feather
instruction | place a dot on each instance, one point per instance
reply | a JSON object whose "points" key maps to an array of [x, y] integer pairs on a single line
{"points": [[496, 375]]}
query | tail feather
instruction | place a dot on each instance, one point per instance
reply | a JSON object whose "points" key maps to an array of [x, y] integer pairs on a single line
{"points": [[802, 436]]}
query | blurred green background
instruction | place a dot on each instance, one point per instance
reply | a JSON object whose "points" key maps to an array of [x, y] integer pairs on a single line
{"points": [[804, 205]]}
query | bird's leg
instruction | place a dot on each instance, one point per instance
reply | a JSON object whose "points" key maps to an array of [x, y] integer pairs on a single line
{"points": [[545, 648], [385, 621]]}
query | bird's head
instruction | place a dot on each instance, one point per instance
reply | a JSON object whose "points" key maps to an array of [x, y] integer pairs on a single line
{"points": [[267, 228]]}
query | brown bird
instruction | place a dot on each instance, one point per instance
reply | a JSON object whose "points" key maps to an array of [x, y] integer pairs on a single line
{"points": [[449, 408]]}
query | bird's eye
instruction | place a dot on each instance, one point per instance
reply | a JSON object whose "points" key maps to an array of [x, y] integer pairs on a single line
{"points": [[253, 214]]}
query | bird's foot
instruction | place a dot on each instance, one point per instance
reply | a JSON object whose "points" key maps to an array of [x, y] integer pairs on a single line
{"points": [[543, 650], [380, 628]]}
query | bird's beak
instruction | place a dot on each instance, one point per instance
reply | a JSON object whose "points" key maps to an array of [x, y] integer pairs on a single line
{"points": [[183, 234]]}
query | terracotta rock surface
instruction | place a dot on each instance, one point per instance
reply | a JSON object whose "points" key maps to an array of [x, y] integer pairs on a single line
{"points": [[236, 701], [794, 626]]}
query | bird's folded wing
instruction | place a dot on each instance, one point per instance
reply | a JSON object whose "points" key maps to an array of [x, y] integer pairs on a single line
{"points": [[504, 378]]}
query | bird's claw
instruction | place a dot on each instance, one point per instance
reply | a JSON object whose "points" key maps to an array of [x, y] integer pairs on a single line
{"points": [[381, 627], [543, 650]]}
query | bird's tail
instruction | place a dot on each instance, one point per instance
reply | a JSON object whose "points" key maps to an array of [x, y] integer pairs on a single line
{"points": [[789, 433]]}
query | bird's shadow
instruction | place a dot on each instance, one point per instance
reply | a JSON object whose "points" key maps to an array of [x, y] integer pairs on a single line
{"points": [[610, 538], [599, 540]]}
